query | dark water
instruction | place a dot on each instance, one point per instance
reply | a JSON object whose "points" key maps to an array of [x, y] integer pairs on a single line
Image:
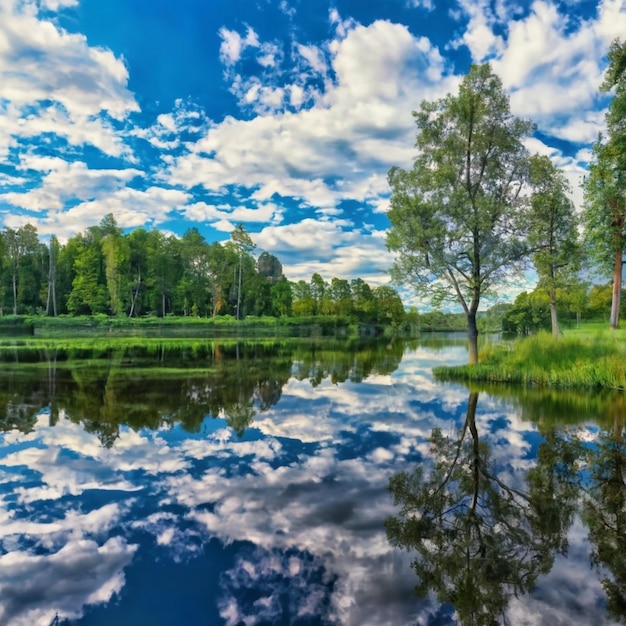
{"points": [[249, 485]]}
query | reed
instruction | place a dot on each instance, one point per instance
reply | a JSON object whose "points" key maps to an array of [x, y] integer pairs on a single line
{"points": [[592, 361]]}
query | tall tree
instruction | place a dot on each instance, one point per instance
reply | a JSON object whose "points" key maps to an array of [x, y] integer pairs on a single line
{"points": [[281, 297], [244, 245], [222, 260], [318, 292], [362, 298], [20, 244], [115, 250], [456, 218], [604, 217], [303, 303], [340, 296], [53, 255], [605, 186], [194, 289], [164, 270], [388, 305], [553, 231], [138, 264], [89, 292]]}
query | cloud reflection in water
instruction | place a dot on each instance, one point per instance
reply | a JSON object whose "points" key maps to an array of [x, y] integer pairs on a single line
{"points": [[286, 520]]}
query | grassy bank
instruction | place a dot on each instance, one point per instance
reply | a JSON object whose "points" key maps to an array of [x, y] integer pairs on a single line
{"points": [[582, 359], [217, 327]]}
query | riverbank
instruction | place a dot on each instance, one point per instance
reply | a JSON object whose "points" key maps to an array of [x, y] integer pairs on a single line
{"points": [[583, 359], [190, 327]]}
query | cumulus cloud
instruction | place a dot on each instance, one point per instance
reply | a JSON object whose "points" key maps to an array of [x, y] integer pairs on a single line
{"points": [[67, 181], [360, 126], [554, 72], [233, 44], [57, 83]]}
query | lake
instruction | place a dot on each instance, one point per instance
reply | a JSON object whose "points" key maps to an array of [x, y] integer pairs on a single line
{"points": [[249, 484]]}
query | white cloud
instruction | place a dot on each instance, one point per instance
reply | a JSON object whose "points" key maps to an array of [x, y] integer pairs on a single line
{"points": [[360, 126], [554, 72], [132, 208], [314, 56], [233, 44], [55, 5], [421, 4], [479, 36], [327, 248], [268, 213], [55, 85], [67, 181]]}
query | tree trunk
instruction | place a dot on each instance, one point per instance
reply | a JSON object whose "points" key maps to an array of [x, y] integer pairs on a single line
{"points": [[134, 293], [14, 291], [239, 288], [617, 289], [472, 337], [51, 302], [553, 313]]}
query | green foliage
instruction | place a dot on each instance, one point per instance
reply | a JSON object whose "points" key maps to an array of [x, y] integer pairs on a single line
{"points": [[105, 382], [456, 215], [569, 362], [605, 512], [458, 226], [148, 274], [438, 321], [604, 213], [529, 313], [553, 231]]}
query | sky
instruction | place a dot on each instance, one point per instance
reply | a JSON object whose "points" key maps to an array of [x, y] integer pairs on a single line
{"points": [[282, 115]]}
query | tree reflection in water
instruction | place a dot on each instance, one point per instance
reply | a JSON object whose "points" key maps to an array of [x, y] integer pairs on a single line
{"points": [[601, 420], [477, 539], [166, 385], [605, 511]]}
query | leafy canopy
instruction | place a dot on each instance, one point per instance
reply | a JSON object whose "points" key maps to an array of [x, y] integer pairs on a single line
{"points": [[456, 216]]}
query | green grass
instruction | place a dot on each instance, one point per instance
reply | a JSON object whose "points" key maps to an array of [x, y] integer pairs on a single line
{"points": [[584, 358]]}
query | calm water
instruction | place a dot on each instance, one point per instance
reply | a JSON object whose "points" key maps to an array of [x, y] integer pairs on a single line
{"points": [[249, 485]]}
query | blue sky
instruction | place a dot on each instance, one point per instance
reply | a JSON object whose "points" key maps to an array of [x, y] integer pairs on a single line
{"points": [[284, 115]]}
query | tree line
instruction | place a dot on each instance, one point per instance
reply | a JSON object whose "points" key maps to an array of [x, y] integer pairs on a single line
{"points": [[477, 209], [147, 272], [580, 300]]}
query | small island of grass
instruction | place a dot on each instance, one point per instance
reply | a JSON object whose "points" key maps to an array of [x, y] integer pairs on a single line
{"points": [[581, 359]]}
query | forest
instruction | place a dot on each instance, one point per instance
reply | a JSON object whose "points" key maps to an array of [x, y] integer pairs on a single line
{"points": [[105, 271]]}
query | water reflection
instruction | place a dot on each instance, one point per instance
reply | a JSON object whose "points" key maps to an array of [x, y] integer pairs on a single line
{"points": [[251, 483], [479, 540], [146, 388], [548, 406], [598, 419], [605, 512]]}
